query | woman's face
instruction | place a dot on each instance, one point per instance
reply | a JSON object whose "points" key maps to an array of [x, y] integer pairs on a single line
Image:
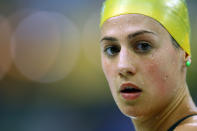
{"points": [[144, 70]]}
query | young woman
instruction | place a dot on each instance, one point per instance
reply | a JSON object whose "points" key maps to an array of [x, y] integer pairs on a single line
{"points": [[145, 54]]}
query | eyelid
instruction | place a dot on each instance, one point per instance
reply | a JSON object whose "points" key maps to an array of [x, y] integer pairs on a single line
{"points": [[143, 41], [108, 44], [110, 47], [147, 49], [105, 41]]}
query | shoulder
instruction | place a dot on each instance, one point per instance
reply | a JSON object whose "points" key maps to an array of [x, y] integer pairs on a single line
{"points": [[188, 125]]}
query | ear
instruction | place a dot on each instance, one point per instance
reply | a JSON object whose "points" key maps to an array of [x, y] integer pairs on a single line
{"points": [[187, 58]]}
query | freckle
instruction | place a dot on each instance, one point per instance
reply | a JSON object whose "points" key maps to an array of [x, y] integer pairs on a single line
{"points": [[142, 82], [165, 78]]}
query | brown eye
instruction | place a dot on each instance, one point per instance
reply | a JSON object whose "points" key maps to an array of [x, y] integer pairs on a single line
{"points": [[112, 50], [142, 47]]}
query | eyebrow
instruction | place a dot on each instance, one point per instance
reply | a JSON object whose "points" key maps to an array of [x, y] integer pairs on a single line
{"points": [[130, 36], [109, 39]]}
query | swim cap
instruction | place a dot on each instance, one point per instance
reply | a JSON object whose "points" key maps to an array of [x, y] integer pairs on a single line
{"points": [[172, 14]]}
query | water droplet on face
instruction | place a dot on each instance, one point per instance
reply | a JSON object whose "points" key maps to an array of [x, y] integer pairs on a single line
{"points": [[120, 26], [114, 23], [167, 48], [152, 56]]}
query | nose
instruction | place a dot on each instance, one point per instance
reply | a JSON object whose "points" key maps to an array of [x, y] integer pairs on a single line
{"points": [[126, 63]]}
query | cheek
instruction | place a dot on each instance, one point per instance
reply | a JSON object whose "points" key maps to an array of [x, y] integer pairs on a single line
{"points": [[157, 77], [109, 71], [161, 73]]}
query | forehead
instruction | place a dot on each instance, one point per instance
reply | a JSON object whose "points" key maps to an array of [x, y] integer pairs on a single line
{"points": [[131, 23]]}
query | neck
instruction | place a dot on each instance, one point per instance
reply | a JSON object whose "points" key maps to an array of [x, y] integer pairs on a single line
{"points": [[181, 106]]}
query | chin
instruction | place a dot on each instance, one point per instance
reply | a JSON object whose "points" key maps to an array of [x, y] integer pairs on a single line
{"points": [[134, 111], [130, 111]]}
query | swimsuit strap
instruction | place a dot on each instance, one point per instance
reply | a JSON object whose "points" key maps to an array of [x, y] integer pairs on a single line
{"points": [[179, 121]]}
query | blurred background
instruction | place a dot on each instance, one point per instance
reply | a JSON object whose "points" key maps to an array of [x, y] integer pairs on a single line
{"points": [[50, 71]]}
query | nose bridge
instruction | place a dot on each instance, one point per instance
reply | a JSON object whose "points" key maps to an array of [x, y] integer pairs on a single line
{"points": [[126, 62], [125, 57]]}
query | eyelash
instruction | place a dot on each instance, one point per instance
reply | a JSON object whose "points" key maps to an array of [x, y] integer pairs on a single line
{"points": [[141, 47], [112, 50]]}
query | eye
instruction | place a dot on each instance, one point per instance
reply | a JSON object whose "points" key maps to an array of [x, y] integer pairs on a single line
{"points": [[112, 50], [142, 47]]}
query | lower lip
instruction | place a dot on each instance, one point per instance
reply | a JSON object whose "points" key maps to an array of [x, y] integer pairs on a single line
{"points": [[131, 96]]}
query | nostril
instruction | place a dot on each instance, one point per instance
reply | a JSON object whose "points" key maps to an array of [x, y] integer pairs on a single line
{"points": [[129, 72], [125, 73], [121, 75]]}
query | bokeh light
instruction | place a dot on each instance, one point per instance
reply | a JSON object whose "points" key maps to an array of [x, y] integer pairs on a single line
{"points": [[35, 45], [69, 49], [50, 67], [44, 48], [5, 55], [91, 45], [87, 85]]}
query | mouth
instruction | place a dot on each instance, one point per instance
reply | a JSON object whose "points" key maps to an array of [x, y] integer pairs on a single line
{"points": [[130, 91]]}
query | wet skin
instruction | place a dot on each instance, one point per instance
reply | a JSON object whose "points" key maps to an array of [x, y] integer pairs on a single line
{"points": [[147, 59], [137, 49]]}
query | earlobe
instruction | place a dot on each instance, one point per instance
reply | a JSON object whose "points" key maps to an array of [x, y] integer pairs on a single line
{"points": [[188, 63]]}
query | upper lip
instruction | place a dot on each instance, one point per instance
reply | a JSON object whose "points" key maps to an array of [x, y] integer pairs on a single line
{"points": [[128, 84]]}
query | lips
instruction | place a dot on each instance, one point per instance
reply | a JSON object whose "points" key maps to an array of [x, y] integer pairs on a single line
{"points": [[130, 91]]}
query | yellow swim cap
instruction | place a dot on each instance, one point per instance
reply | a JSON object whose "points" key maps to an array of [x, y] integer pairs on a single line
{"points": [[172, 14]]}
